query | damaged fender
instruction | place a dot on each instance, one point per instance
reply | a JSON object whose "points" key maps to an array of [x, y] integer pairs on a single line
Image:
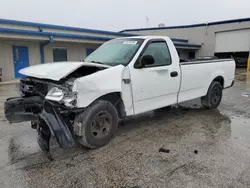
{"points": [[90, 88]]}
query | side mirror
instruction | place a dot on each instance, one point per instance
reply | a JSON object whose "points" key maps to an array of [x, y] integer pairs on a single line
{"points": [[147, 60]]}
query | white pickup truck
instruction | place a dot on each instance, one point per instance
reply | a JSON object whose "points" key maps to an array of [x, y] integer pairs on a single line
{"points": [[83, 101]]}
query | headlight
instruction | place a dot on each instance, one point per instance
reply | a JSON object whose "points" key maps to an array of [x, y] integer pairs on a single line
{"points": [[70, 101], [55, 94], [58, 95]]}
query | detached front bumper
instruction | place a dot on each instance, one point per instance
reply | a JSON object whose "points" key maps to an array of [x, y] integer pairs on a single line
{"points": [[35, 108], [20, 109]]}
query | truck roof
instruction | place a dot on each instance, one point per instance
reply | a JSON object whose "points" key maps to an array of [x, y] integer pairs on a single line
{"points": [[146, 37]]}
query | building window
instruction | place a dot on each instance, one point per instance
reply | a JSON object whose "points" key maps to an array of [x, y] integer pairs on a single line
{"points": [[60, 54], [191, 55]]}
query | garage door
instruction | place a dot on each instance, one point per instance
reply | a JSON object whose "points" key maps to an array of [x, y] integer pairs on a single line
{"points": [[233, 41]]}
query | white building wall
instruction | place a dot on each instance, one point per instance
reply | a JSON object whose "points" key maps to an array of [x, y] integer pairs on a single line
{"points": [[6, 56], [204, 35], [8, 36], [30, 35], [196, 37], [23, 27], [233, 41], [75, 51]]}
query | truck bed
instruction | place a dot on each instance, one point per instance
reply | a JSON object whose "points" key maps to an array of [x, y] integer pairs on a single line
{"points": [[195, 80], [198, 61]]}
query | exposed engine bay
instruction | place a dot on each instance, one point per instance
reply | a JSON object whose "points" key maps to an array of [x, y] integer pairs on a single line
{"points": [[30, 86]]}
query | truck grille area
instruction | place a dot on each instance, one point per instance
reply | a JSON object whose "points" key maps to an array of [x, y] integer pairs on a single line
{"points": [[29, 87]]}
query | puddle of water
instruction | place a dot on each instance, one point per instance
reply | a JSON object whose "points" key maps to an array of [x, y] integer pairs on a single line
{"points": [[245, 94]]}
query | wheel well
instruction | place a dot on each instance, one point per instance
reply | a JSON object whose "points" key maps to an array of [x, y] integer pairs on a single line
{"points": [[220, 79], [116, 99]]}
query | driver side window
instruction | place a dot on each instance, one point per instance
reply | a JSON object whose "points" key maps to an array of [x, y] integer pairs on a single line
{"points": [[160, 52]]}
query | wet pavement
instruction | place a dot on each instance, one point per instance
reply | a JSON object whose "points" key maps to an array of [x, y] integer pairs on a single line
{"points": [[221, 138]]}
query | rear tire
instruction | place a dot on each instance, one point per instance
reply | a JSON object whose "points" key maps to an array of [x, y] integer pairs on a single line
{"points": [[213, 97], [98, 124]]}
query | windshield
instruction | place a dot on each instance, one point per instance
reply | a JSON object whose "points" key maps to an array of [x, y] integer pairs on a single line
{"points": [[115, 52]]}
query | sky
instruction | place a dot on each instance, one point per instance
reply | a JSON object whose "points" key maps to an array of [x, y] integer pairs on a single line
{"points": [[117, 15]]}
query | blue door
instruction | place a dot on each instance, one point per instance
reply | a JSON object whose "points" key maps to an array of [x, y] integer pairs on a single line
{"points": [[21, 59], [89, 51]]}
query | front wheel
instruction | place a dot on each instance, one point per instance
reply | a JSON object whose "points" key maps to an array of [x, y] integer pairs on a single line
{"points": [[98, 124], [213, 97]]}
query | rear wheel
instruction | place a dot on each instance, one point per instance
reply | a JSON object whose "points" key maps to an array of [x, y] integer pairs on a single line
{"points": [[213, 97], [98, 124]]}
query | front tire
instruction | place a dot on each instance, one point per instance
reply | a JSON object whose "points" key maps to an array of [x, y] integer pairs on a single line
{"points": [[214, 95], [99, 122]]}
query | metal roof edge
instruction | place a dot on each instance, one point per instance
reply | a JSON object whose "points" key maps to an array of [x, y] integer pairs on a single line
{"points": [[34, 24], [179, 40], [42, 25], [187, 45], [64, 35], [189, 26]]}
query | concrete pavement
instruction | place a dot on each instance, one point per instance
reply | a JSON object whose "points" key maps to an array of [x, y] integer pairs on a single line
{"points": [[132, 159]]}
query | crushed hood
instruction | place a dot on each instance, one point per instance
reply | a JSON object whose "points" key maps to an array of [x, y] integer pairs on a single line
{"points": [[56, 71]]}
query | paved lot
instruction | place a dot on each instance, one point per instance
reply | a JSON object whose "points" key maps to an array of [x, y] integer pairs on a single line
{"points": [[221, 137]]}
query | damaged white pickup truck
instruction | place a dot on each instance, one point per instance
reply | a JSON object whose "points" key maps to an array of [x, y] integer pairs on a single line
{"points": [[82, 101]]}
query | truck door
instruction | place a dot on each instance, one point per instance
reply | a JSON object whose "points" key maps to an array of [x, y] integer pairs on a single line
{"points": [[156, 85]]}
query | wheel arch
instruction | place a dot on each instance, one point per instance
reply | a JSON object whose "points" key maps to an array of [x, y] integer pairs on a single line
{"points": [[219, 79], [208, 100], [114, 98]]}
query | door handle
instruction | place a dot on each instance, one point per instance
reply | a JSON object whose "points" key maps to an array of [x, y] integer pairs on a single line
{"points": [[174, 74]]}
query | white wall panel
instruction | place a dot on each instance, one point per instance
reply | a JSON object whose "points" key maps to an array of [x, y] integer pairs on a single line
{"points": [[6, 56], [233, 41]]}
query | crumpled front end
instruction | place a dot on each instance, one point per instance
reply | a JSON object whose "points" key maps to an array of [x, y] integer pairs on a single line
{"points": [[52, 105], [48, 117], [90, 88], [34, 108]]}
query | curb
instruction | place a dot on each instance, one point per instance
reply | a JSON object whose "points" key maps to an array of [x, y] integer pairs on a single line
{"points": [[10, 82]]}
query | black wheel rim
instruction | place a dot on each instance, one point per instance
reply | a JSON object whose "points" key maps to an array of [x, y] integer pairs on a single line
{"points": [[216, 95], [101, 124]]}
